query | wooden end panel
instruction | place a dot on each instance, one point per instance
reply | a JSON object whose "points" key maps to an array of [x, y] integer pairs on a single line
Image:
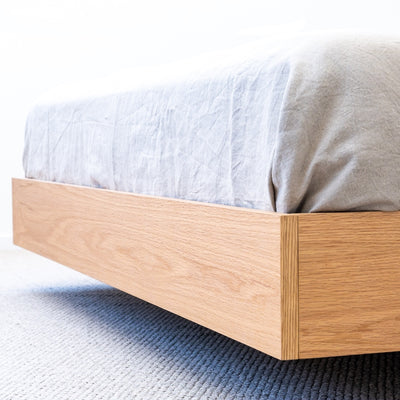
{"points": [[349, 283], [217, 266], [289, 287]]}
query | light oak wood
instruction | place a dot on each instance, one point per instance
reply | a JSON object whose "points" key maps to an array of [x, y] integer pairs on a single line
{"points": [[289, 287], [293, 286], [218, 266], [349, 283]]}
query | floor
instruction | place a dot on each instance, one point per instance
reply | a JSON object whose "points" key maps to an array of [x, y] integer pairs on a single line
{"points": [[66, 336]]}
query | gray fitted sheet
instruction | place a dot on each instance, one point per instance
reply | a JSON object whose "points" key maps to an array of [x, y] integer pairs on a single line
{"points": [[305, 125]]}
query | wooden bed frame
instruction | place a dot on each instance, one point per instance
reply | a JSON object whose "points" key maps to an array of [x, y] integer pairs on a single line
{"points": [[291, 285]]}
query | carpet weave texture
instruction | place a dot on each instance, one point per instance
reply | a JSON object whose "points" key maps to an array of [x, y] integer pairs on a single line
{"points": [[66, 336]]}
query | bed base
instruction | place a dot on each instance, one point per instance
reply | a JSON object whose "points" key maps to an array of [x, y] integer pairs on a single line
{"points": [[291, 285]]}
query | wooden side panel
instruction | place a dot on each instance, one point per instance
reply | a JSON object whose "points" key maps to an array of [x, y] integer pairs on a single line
{"points": [[218, 266], [289, 287], [349, 283]]}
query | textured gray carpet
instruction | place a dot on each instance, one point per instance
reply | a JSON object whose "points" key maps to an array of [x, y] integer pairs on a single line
{"points": [[65, 336]]}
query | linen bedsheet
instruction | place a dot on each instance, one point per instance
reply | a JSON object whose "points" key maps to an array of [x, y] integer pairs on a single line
{"points": [[309, 124]]}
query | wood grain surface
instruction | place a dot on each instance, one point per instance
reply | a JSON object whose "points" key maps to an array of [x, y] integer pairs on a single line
{"points": [[215, 265], [289, 287], [349, 283], [298, 285]]}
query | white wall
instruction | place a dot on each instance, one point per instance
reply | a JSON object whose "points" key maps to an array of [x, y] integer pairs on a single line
{"points": [[45, 43]]}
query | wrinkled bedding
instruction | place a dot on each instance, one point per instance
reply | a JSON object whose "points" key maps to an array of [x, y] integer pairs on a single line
{"points": [[309, 124]]}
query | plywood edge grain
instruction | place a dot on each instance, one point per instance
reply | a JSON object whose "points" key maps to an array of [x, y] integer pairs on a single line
{"points": [[216, 265], [289, 288]]}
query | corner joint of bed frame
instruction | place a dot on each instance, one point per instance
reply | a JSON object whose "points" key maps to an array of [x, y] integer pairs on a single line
{"points": [[289, 224]]}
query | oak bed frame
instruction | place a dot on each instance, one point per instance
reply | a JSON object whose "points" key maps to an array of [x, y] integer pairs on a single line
{"points": [[291, 285]]}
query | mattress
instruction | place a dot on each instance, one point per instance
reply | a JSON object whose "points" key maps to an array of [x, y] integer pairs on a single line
{"points": [[310, 124]]}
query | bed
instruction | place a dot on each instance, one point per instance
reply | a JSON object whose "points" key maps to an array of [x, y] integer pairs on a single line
{"points": [[255, 193]]}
